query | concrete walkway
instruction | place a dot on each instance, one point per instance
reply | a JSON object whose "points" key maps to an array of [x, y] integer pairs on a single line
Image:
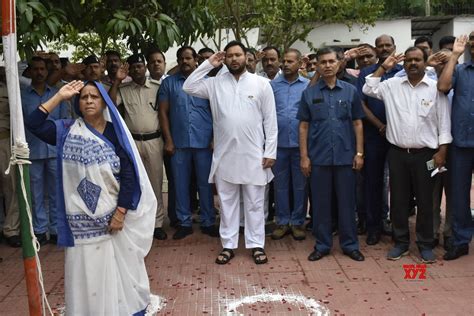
{"points": [[185, 275]]}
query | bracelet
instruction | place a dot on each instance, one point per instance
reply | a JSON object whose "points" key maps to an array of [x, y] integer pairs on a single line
{"points": [[122, 212], [43, 108], [117, 219], [383, 67]]}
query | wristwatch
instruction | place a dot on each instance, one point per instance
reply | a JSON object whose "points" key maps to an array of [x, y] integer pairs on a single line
{"points": [[360, 155]]}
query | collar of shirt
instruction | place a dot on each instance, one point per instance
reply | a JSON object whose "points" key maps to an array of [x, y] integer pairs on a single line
{"points": [[146, 84], [425, 79], [32, 89], [244, 75], [469, 63], [283, 79], [264, 74], [322, 85], [371, 69]]}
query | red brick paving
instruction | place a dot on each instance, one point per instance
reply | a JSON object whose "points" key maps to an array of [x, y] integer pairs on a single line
{"points": [[184, 273]]}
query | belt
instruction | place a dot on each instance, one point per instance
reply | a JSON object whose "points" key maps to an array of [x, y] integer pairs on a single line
{"points": [[4, 134], [144, 137], [413, 150]]}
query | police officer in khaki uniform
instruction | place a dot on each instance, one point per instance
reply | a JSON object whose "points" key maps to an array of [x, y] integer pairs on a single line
{"points": [[11, 227], [137, 102]]}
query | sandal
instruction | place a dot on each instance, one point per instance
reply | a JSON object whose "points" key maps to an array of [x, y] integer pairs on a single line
{"points": [[226, 255], [257, 254]]}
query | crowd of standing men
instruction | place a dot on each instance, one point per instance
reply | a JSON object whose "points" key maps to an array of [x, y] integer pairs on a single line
{"points": [[304, 128]]}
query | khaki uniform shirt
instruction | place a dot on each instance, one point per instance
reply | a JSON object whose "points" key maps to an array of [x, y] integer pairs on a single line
{"points": [[139, 106]]}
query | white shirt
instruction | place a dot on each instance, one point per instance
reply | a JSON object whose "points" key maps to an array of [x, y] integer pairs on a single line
{"points": [[417, 116], [244, 122]]}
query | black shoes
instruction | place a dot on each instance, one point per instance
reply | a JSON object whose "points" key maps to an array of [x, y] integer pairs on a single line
{"points": [[14, 241], [309, 226], [316, 255], [42, 239], [212, 230], [355, 255], [372, 239], [182, 232], [159, 234], [448, 243], [456, 252]]}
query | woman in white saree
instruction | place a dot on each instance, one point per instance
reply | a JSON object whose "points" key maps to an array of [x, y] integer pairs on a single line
{"points": [[105, 204]]}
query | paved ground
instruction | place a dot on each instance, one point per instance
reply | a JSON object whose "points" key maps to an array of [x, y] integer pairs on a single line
{"points": [[184, 273]]}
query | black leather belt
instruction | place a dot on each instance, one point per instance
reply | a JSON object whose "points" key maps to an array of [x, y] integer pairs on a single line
{"points": [[144, 137], [413, 150]]}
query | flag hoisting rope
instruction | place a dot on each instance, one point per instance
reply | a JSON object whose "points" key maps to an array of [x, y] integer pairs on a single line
{"points": [[19, 162]]}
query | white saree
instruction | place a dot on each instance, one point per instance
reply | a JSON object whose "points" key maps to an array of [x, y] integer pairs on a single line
{"points": [[104, 274]]}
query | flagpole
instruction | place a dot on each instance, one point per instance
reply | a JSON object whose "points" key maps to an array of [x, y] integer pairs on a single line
{"points": [[21, 166]]}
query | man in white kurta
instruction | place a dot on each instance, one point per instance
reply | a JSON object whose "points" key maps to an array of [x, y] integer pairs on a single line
{"points": [[245, 141]]}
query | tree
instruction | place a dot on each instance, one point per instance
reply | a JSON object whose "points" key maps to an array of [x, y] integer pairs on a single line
{"points": [[86, 44], [37, 23], [283, 22], [137, 23], [291, 20]]}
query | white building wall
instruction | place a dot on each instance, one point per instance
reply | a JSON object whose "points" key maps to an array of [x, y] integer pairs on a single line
{"points": [[341, 35], [445, 30]]}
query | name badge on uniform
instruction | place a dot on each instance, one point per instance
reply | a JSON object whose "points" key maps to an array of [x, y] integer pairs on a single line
{"points": [[316, 101]]}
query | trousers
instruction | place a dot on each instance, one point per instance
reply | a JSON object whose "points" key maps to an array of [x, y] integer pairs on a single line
{"points": [[229, 197], [151, 152]]}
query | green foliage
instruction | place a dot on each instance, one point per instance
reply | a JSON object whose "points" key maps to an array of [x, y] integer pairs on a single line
{"points": [[397, 8], [93, 26], [97, 25], [283, 22], [37, 23], [86, 44]]}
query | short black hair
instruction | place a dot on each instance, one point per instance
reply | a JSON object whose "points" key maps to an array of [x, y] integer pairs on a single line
{"points": [[154, 51], [446, 40], [37, 59], [339, 52], [413, 48], [205, 50], [182, 49], [250, 50], [274, 48], [312, 56], [293, 50], [113, 53], [325, 51], [379, 37], [235, 43], [423, 39]]}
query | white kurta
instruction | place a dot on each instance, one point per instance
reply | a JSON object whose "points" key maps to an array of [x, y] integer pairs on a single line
{"points": [[244, 122]]}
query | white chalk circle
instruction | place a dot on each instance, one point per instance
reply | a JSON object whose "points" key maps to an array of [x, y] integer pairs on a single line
{"points": [[311, 305]]}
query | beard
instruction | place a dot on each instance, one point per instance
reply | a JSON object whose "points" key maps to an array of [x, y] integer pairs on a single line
{"points": [[237, 71]]}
